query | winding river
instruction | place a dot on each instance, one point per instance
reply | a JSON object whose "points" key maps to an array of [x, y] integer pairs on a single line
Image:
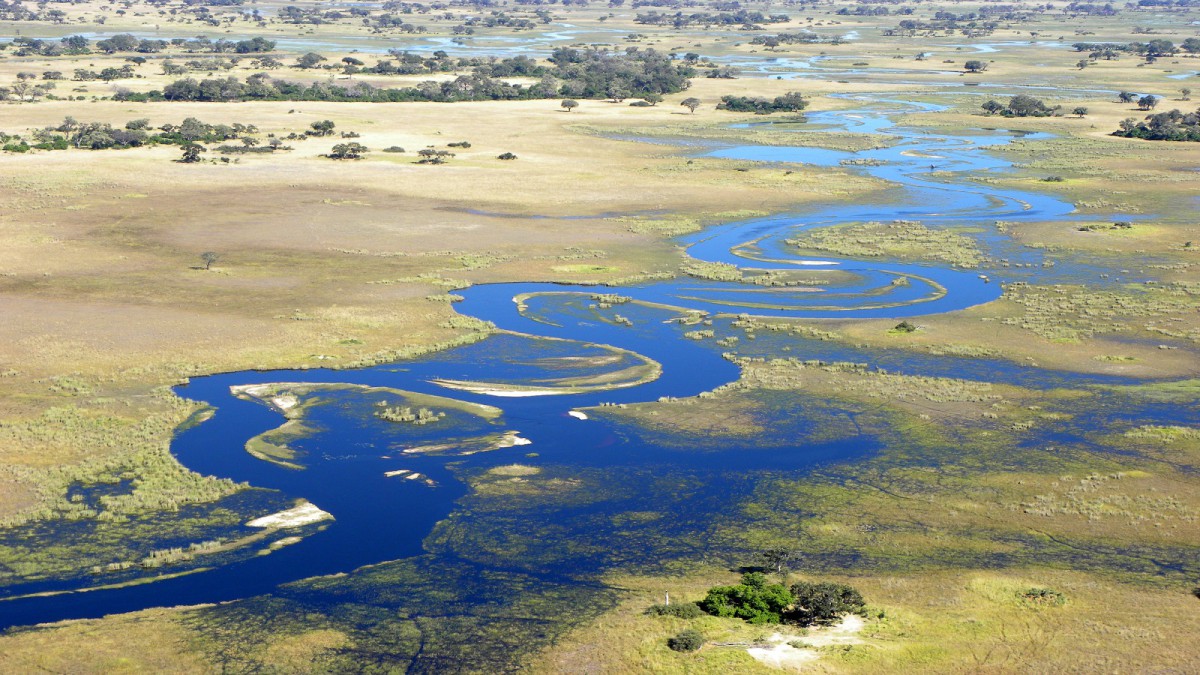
{"points": [[380, 518]]}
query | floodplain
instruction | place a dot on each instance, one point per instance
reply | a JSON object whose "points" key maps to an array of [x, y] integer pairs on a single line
{"points": [[358, 356]]}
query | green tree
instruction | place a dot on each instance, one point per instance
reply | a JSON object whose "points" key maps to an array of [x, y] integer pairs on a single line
{"points": [[322, 128], [569, 104], [1080, 111], [1127, 97], [1023, 105], [191, 152], [348, 151], [992, 107], [1148, 102], [753, 600], [823, 603], [309, 60], [975, 66], [209, 257], [691, 104]]}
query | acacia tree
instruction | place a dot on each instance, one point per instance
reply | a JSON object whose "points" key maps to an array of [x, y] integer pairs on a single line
{"points": [[191, 152], [322, 128], [209, 257], [1147, 102], [348, 151], [569, 104], [691, 104], [1080, 111], [975, 66], [1126, 97]]}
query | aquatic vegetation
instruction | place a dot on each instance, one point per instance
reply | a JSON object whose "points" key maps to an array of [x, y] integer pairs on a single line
{"points": [[405, 415], [1072, 313], [899, 239]]}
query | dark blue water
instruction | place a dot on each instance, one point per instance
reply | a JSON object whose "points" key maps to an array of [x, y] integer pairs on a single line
{"points": [[379, 518]]}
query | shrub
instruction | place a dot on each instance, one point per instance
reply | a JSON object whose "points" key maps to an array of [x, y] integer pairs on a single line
{"points": [[507, 155], [687, 641], [640, 104], [754, 600], [823, 603], [1043, 597], [460, 144], [394, 148], [686, 610]]}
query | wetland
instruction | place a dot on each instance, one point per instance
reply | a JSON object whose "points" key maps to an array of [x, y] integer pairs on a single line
{"points": [[485, 434]]}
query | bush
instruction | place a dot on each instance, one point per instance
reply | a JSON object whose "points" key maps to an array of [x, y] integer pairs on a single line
{"points": [[460, 144], [394, 148], [687, 641], [640, 104], [1043, 597], [686, 610], [507, 155], [754, 600], [823, 603]]}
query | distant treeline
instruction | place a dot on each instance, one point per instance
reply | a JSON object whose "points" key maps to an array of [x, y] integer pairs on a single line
{"points": [[741, 17], [73, 45], [1150, 50], [576, 73]]}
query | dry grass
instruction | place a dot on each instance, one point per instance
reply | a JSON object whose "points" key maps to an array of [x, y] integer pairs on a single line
{"points": [[948, 622]]}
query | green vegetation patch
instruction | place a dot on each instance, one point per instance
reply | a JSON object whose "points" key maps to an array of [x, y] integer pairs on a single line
{"points": [[901, 239]]}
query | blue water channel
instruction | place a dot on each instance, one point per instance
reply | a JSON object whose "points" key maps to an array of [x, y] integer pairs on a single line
{"points": [[379, 518]]}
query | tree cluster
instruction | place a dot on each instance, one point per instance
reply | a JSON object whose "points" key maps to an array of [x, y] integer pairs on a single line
{"points": [[741, 17], [792, 101], [1021, 105], [804, 603], [584, 73], [75, 45], [1166, 126]]}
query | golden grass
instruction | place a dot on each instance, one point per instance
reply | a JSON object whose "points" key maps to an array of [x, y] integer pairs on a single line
{"points": [[939, 622]]}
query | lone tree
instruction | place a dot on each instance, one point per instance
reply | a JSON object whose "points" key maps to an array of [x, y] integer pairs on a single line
{"points": [[322, 128], [348, 151], [1127, 97], [691, 104], [975, 66], [569, 104], [780, 558], [655, 99], [209, 257], [1080, 111], [191, 152], [992, 107], [309, 60], [1148, 102], [1187, 94]]}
